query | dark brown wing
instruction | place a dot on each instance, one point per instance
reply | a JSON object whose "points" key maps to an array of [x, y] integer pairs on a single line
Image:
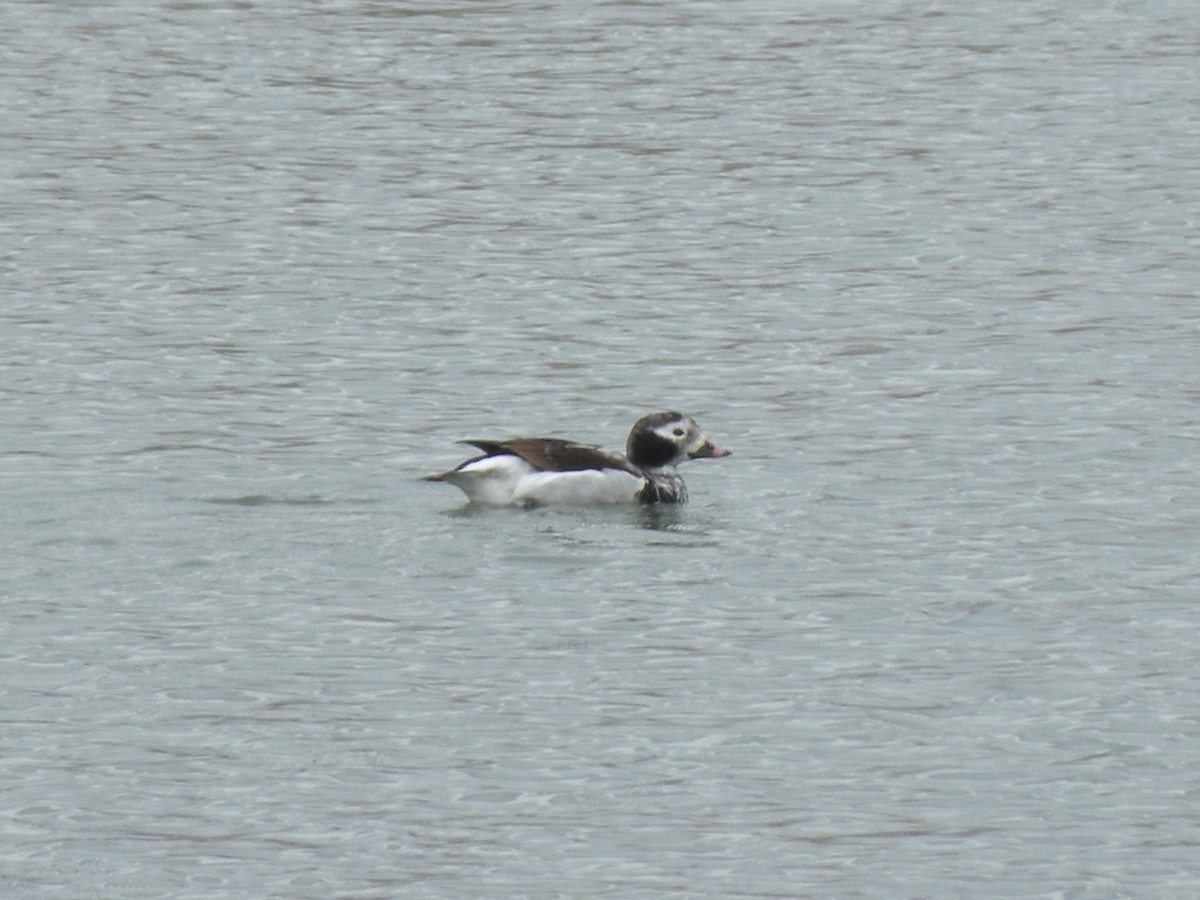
{"points": [[555, 455]]}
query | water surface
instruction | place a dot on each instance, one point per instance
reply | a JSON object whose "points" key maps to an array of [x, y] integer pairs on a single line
{"points": [[929, 271]]}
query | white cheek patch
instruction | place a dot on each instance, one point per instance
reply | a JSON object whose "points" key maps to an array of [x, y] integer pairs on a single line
{"points": [[691, 435], [667, 433], [584, 486]]}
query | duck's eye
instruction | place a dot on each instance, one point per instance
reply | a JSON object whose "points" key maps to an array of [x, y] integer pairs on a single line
{"points": [[678, 432]]}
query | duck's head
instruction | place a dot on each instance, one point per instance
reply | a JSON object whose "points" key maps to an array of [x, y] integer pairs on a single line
{"points": [[667, 439]]}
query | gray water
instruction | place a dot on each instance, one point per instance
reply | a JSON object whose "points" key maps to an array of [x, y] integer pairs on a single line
{"points": [[928, 269]]}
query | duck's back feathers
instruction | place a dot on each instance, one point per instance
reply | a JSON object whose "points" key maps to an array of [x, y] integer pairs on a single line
{"points": [[555, 454]]}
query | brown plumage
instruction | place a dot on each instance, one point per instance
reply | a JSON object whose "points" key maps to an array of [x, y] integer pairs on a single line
{"points": [[556, 455]]}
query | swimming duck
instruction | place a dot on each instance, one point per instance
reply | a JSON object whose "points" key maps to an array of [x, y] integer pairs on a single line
{"points": [[532, 471]]}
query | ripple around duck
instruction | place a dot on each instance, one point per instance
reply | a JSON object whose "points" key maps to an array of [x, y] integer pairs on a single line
{"points": [[266, 500]]}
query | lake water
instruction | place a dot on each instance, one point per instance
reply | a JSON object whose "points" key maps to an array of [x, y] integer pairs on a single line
{"points": [[930, 270]]}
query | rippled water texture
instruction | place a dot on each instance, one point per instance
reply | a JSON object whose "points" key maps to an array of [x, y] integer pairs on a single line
{"points": [[929, 270]]}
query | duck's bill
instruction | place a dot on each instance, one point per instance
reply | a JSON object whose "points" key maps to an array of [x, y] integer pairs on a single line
{"points": [[708, 450]]}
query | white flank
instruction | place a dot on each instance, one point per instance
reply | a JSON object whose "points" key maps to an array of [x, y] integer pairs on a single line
{"points": [[583, 486], [493, 479]]}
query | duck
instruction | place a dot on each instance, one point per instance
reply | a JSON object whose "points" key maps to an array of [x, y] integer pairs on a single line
{"points": [[530, 472]]}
